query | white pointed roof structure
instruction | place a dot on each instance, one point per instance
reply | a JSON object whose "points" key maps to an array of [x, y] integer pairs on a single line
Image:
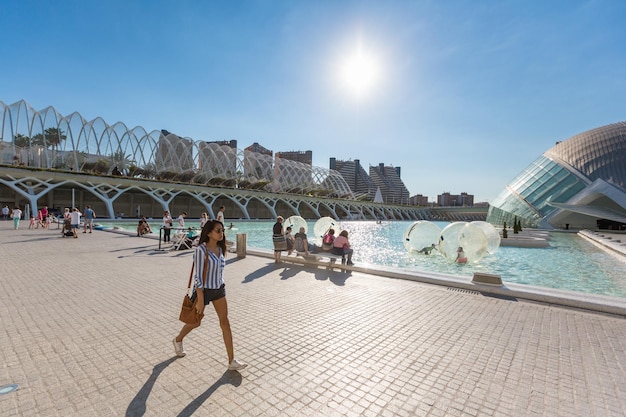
{"points": [[378, 198]]}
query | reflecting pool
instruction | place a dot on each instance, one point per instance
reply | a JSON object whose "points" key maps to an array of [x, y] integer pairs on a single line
{"points": [[570, 263]]}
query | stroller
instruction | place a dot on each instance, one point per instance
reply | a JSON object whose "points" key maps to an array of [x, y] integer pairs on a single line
{"points": [[67, 228]]}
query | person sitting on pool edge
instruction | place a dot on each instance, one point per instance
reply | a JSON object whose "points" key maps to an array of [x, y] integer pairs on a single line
{"points": [[143, 227], [301, 244], [327, 240], [341, 246]]}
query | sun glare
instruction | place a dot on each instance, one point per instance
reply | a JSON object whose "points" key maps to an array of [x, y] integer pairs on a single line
{"points": [[359, 73]]}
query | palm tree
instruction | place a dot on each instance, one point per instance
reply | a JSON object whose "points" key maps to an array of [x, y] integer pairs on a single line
{"points": [[54, 136], [121, 161], [21, 141]]}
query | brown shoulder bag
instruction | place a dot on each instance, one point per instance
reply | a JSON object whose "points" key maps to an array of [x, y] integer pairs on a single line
{"points": [[188, 313]]}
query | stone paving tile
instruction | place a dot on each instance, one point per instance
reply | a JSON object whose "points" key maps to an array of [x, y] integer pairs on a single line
{"points": [[87, 323]]}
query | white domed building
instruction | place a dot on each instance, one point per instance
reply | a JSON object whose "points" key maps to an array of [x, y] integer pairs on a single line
{"points": [[579, 183]]}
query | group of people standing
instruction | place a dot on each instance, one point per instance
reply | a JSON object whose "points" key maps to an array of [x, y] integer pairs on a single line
{"points": [[284, 241], [71, 218], [168, 222]]}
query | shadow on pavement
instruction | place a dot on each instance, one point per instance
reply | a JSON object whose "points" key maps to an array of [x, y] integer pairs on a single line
{"points": [[259, 273], [229, 377], [137, 406]]}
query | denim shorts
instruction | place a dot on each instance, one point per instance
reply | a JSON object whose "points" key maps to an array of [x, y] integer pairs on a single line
{"points": [[211, 294]]}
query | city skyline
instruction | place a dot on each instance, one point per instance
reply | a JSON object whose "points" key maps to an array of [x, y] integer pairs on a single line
{"points": [[173, 154], [460, 95]]}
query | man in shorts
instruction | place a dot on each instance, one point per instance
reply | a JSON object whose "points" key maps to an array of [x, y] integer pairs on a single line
{"points": [[89, 216]]}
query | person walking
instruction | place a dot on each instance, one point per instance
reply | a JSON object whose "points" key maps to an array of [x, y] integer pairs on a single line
{"points": [[220, 215], [209, 260], [44, 217], [204, 217], [167, 226], [90, 215], [16, 215], [181, 221], [5, 213]]}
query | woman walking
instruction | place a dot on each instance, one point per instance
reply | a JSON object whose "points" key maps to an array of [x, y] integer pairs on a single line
{"points": [[16, 215], [209, 287]]}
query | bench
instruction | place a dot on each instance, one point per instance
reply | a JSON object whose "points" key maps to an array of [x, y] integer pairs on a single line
{"points": [[319, 259]]}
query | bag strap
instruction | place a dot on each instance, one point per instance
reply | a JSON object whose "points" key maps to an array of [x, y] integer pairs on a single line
{"points": [[190, 276], [206, 264], [206, 261]]}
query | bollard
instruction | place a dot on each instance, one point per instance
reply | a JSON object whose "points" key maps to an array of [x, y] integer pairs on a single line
{"points": [[241, 245], [160, 236]]}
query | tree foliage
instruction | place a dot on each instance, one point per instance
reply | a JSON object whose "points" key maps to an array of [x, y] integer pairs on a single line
{"points": [[21, 141]]}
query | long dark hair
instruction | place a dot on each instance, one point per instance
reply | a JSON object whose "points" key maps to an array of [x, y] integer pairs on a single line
{"points": [[207, 229]]}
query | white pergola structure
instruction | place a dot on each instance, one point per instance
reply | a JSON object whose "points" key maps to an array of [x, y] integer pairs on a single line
{"points": [[47, 139]]}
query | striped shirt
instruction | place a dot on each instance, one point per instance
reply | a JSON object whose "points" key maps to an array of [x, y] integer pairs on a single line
{"points": [[215, 268]]}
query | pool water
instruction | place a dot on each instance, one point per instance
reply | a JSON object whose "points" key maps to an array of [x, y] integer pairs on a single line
{"points": [[570, 263]]}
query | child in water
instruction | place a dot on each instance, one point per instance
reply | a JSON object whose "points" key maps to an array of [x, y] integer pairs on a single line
{"points": [[460, 256]]}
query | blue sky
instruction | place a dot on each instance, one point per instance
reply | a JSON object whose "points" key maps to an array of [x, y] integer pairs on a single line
{"points": [[463, 95]]}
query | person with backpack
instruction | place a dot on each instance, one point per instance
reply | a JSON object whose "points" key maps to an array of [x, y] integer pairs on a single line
{"points": [[328, 239]]}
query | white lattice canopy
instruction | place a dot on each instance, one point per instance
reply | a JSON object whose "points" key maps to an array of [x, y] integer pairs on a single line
{"points": [[47, 139]]}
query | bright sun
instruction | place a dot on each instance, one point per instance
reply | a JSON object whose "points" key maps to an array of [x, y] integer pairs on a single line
{"points": [[359, 73]]}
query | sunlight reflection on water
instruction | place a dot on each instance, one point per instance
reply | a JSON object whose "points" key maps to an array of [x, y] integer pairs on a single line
{"points": [[571, 263]]}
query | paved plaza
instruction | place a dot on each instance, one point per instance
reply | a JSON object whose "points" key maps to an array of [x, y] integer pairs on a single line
{"points": [[87, 324]]}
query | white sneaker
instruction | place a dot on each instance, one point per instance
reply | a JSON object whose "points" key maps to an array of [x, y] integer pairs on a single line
{"points": [[235, 365], [178, 348]]}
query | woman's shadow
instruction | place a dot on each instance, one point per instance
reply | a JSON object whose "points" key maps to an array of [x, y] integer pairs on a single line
{"points": [[229, 377], [137, 406]]}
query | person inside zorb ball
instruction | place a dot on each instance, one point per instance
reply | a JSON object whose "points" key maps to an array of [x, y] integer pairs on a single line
{"points": [[420, 236], [461, 234]]}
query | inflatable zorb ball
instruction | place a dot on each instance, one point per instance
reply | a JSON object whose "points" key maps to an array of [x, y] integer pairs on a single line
{"points": [[466, 235], [321, 227], [492, 235], [473, 241], [419, 235], [449, 240], [295, 222]]}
